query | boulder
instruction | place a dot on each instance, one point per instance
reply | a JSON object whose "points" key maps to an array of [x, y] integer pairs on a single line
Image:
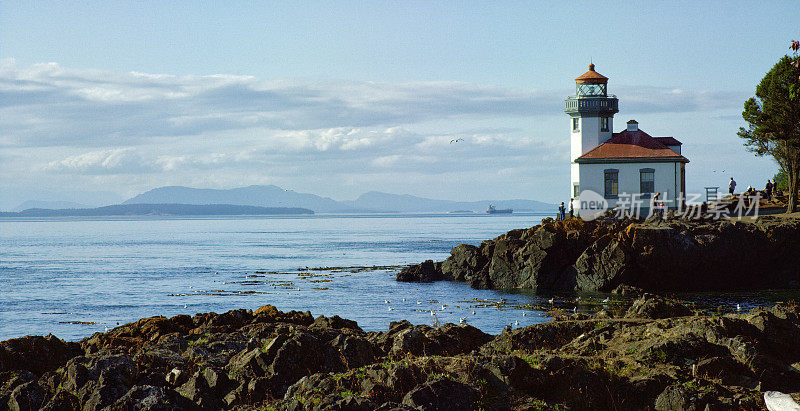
{"points": [[28, 396], [424, 272], [442, 395], [36, 353], [335, 322], [654, 307]]}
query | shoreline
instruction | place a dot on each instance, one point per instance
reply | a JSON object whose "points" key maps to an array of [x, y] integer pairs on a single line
{"points": [[671, 255], [654, 352]]}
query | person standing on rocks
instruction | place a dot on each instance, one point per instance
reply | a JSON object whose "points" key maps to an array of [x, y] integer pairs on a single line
{"points": [[731, 186], [561, 211], [571, 208], [768, 190]]}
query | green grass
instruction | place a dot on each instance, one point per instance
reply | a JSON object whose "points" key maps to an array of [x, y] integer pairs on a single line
{"points": [[199, 341], [265, 344]]}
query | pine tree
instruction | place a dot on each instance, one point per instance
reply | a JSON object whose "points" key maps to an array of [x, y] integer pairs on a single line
{"points": [[773, 118]]}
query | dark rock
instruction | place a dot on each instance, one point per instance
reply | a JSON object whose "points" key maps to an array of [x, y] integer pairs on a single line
{"points": [[628, 291], [354, 404], [602, 254], [353, 351], [249, 364], [726, 370], [675, 398], [335, 322], [654, 307], [36, 353], [150, 398], [176, 377], [464, 260], [425, 272], [442, 395], [28, 396], [393, 406], [61, 401], [197, 390]]}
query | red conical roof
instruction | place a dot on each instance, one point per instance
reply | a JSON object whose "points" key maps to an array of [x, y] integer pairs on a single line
{"points": [[592, 77]]}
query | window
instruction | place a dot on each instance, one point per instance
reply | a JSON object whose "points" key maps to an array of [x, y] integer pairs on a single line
{"points": [[575, 124], [591, 89], [603, 123], [611, 183], [647, 180], [576, 191]]}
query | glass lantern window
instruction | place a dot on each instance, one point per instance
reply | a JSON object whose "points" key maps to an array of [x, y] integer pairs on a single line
{"points": [[591, 89]]}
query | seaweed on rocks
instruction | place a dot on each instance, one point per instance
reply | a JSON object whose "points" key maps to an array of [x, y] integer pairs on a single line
{"points": [[658, 354]]}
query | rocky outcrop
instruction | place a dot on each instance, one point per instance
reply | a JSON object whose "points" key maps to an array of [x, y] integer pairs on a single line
{"points": [[655, 255], [657, 355]]}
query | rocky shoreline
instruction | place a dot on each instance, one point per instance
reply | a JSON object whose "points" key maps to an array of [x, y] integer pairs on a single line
{"points": [[656, 353], [655, 255]]}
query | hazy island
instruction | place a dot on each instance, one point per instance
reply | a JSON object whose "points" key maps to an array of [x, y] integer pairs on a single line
{"points": [[159, 210]]}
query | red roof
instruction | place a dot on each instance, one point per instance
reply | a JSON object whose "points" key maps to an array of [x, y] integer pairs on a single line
{"points": [[592, 77], [668, 141], [633, 145]]}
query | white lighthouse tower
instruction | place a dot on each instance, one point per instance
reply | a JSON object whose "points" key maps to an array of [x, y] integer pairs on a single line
{"points": [[591, 112]]}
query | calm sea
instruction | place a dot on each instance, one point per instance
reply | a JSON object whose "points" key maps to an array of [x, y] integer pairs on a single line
{"points": [[73, 277]]}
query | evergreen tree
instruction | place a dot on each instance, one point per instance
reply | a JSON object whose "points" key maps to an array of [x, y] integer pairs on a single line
{"points": [[773, 118]]}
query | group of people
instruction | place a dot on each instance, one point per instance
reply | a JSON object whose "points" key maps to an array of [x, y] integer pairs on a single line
{"points": [[562, 211], [769, 190]]}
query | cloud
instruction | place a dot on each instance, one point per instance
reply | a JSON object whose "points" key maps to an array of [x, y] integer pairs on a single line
{"points": [[648, 99], [136, 131], [116, 161], [47, 104], [50, 105]]}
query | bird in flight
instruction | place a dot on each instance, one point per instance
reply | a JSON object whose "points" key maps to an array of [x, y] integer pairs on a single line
{"points": [[456, 140]]}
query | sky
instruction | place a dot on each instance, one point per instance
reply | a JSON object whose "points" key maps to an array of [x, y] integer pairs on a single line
{"points": [[100, 101]]}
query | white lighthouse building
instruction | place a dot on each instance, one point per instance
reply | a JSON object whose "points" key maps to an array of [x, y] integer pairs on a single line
{"points": [[621, 167]]}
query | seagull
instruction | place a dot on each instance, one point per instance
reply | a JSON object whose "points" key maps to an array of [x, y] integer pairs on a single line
{"points": [[738, 308], [432, 314], [443, 306], [386, 301], [404, 299], [551, 300], [575, 310], [516, 323], [456, 140], [462, 320], [607, 299], [390, 308], [185, 306], [523, 313], [473, 312], [419, 302]]}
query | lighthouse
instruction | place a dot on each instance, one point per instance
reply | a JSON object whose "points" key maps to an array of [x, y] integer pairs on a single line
{"points": [[625, 168], [591, 111]]}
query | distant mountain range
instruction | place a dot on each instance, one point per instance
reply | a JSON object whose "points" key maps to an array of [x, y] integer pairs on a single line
{"points": [[273, 196], [264, 200], [53, 205], [158, 209], [261, 196]]}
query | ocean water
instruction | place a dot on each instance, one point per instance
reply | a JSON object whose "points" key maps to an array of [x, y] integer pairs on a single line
{"points": [[75, 276]]}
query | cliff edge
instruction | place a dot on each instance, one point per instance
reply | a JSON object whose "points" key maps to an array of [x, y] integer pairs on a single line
{"points": [[655, 255]]}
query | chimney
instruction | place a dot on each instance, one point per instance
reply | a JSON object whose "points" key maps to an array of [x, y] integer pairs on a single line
{"points": [[633, 125]]}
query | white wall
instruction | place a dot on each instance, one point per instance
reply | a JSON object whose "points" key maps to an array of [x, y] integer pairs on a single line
{"points": [[667, 179], [589, 136], [585, 139]]}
